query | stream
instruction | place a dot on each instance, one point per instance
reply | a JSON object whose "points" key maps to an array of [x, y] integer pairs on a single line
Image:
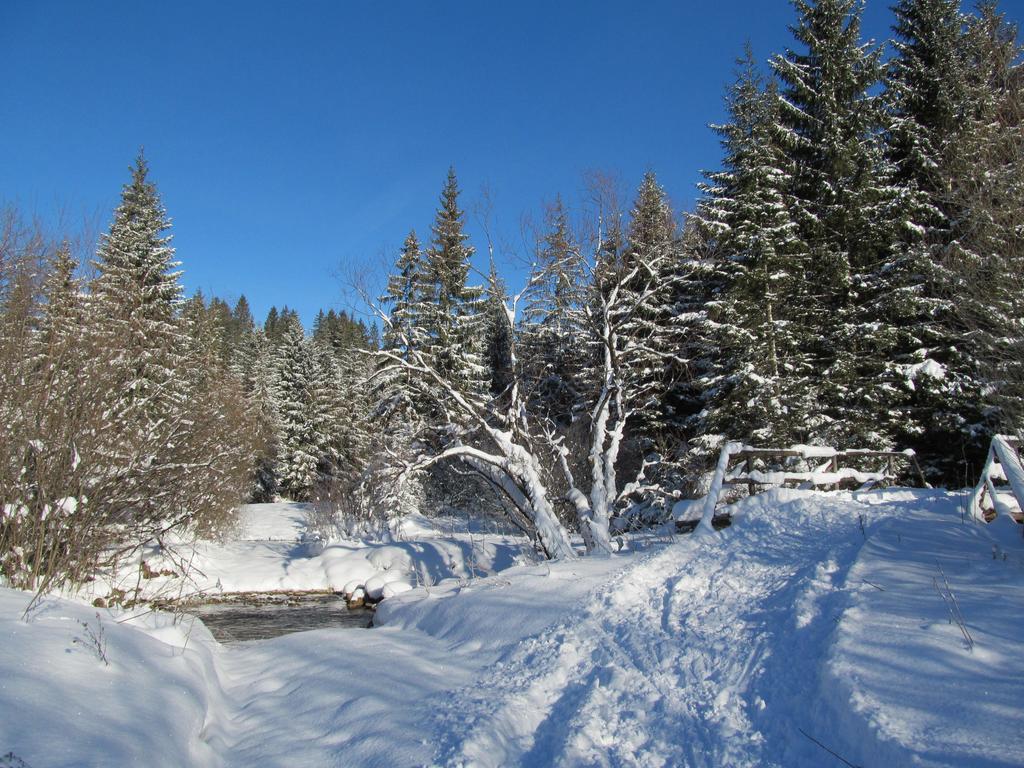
{"points": [[265, 617]]}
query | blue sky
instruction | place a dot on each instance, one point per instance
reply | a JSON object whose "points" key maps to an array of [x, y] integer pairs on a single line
{"points": [[293, 142]]}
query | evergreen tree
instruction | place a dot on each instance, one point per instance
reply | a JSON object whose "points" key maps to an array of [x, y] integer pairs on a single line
{"points": [[241, 316], [218, 426], [932, 390], [556, 344], [652, 251], [698, 355], [764, 390], [452, 311], [498, 355], [137, 295], [320, 326], [259, 383], [985, 250], [270, 325], [844, 207], [63, 315], [300, 437], [167, 446], [342, 410], [926, 92], [404, 332], [405, 335], [203, 339]]}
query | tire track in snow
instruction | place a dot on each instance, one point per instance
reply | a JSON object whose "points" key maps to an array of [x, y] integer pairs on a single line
{"points": [[701, 654]]}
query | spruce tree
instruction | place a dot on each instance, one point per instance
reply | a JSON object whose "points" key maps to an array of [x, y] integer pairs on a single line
{"points": [[168, 444], [498, 341], [556, 344], [404, 332], [300, 436], [62, 320], [764, 389], [137, 295], [646, 319], [932, 388], [241, 316], [698, 357], [452, 314], [270, 324], [844, 207], [259, 385], [985, 249]]}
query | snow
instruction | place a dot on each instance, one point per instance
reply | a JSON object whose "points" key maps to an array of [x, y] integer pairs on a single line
{"points": [[820, 477], [285, 521], [272, 549], [900, 673], [929, 368], [812, 622]]}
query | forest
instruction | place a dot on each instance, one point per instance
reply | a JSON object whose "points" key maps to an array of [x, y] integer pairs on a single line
{"points": [[850, 276]]}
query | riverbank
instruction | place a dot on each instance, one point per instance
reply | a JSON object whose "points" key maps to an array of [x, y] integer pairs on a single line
{"points": [[274, 550]]}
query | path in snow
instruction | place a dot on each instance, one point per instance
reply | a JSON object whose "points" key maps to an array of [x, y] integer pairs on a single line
{"points": [[705, 653], [367, 697]]}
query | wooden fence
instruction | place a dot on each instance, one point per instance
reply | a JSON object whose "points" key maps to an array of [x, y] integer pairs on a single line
{"points": [[823, 467], [1003, 465]]}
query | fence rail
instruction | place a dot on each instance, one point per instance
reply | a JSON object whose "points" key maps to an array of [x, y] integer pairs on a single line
{"points": [[826, 467], [989, 500]]}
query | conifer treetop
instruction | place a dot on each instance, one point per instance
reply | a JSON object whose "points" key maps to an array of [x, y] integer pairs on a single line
{"points": [[135, 257]]}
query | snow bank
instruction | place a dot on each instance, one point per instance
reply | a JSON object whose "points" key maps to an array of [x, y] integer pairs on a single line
{"points": [[77, 688], [903, 682], [272, 549]]}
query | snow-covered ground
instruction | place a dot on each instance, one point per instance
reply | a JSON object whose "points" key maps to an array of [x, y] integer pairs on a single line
{"points": [[816, 622], [272, 549]]}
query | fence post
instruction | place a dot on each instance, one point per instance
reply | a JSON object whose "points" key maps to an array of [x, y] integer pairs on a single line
{"points": [[708, 513]]}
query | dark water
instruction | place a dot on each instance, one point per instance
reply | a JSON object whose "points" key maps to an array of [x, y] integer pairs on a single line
{"points": [[233, 622]]}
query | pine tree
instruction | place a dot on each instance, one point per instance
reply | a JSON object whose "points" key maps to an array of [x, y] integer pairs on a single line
{"points": [[300, 437], [137, 295], [452, 311], [652, 250], [763, 388], [844, 207], [556, 344]]}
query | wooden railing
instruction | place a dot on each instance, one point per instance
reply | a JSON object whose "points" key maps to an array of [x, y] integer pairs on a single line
{"points": [[1003, 464], [825, 467]]}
